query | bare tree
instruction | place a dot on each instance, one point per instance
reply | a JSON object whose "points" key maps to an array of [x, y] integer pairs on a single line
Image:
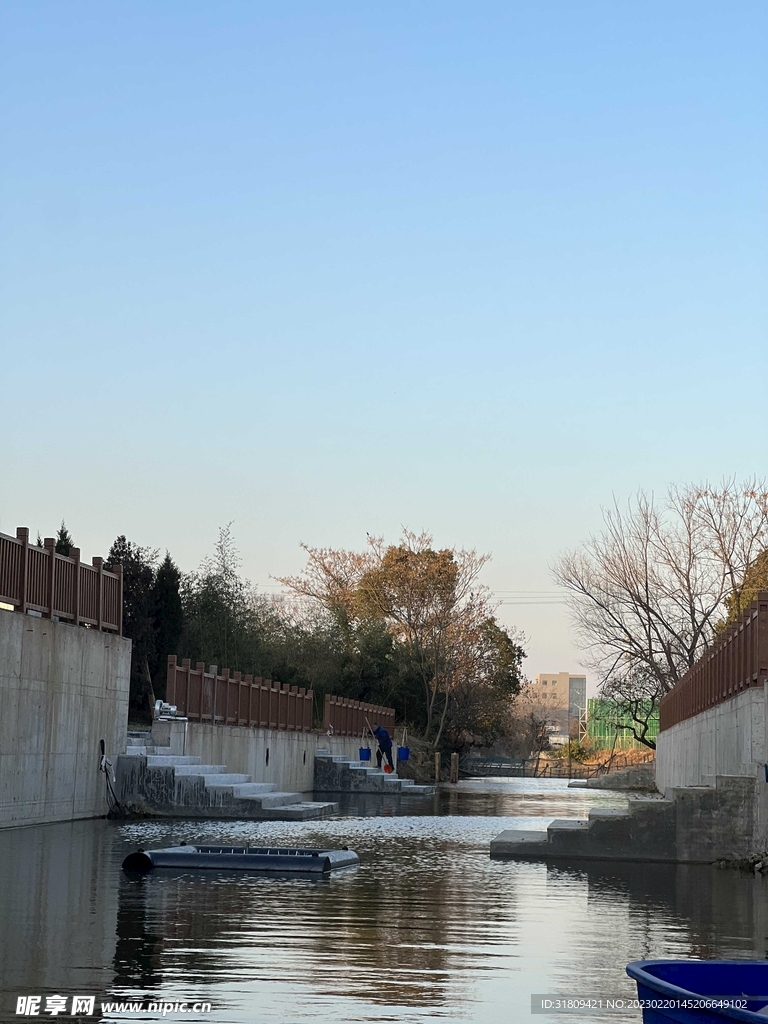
{"points": [[647, 594]]}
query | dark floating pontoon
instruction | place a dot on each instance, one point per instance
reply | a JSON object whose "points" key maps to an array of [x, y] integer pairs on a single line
{"points": [[242, 858]]}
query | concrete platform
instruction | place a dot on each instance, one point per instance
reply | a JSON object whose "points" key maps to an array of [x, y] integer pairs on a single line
{"points": [[694, 826]]}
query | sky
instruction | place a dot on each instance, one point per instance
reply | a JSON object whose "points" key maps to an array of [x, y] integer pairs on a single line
{"points": [[322, 269]]}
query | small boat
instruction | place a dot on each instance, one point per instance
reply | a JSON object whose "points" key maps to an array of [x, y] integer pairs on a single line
{"points": [[242, 858], [701, 991]]}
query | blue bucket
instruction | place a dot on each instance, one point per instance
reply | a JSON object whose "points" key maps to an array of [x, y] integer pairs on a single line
{"points": [[403, 753], [719, 990], [365, 753]]}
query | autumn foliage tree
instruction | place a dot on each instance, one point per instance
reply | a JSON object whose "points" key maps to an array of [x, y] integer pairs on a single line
{"points": [[439, 618]]}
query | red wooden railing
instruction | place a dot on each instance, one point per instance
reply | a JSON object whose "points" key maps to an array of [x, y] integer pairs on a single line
{"points": [[736, 661], [39, 580], [236, 699], [348, 717]]}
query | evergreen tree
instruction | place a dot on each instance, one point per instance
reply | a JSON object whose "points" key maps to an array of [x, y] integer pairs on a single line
{"points": [[63, 540], [138, 617], [168, 620]]}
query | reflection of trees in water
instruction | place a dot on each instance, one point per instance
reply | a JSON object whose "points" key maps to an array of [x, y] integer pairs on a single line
{"points": [[137, 951], [398, 934], [704, 911], [384, 934], [421, 917]]}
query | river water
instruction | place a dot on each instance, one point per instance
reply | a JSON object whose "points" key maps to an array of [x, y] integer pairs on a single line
{"points": [[428, 928]]}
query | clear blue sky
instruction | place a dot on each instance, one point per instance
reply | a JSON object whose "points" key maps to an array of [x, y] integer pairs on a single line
{"points": [[323, 268]]}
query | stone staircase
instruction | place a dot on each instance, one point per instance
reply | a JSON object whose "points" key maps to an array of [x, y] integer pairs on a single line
{"points": [[696, 825], [338, 774], [152, 780]]}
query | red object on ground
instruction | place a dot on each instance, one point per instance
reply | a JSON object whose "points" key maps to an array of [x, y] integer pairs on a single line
{"points": [[388, 768]]}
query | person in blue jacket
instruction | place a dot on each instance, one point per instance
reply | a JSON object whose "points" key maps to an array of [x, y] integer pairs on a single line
{"points": [[385, 745]]}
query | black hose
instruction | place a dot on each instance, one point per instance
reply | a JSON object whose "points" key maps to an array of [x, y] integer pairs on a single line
{"points": [[116, 809]]}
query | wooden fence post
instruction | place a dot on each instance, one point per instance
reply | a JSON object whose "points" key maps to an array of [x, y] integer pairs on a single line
{"points": [[22, 535], [98, 564], [118, 571], [438, 766], [50, 546], [170, 679], [75, 553], [454, 767]]}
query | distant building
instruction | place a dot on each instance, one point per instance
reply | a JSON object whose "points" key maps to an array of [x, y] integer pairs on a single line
{"points": [[563, 699]]}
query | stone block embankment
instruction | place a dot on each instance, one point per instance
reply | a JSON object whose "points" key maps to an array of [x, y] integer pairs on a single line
{"points": [[640, 778], [700, 825], [338, 774]]}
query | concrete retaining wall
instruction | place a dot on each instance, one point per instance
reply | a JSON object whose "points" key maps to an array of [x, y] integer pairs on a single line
{"points": [[728, 739], [291, 761], [63, 688]]}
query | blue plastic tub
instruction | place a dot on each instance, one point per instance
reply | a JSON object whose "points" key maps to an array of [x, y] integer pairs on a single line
{"points": [[701, 991], [365, 753], [403, 753]]}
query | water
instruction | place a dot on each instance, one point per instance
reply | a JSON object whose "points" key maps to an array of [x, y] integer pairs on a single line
{"points": [[428, 928]]}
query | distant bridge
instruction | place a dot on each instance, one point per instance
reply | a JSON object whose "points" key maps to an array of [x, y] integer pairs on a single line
{"points": [[534, 768]]}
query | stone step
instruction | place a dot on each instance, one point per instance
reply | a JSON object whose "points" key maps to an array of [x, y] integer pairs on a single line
{"points": [[567, 825], [138, 734], [305, 810], [254, 788], [200, 769], [169, 760], [274, 799], [607, 814], [135, 750], [219, 780]]}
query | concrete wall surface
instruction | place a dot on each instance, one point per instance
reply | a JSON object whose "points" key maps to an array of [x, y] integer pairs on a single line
{"points": [[63, 688], [728, 740], [243, 749]]}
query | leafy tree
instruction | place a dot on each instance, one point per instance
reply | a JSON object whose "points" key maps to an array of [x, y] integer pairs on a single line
{"points": [[223, 614], [439, 625], [482, 698]]}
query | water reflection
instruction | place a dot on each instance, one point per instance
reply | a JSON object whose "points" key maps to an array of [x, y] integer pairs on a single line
{"points": [[138, 948], [427, 927], [58, 906]]}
